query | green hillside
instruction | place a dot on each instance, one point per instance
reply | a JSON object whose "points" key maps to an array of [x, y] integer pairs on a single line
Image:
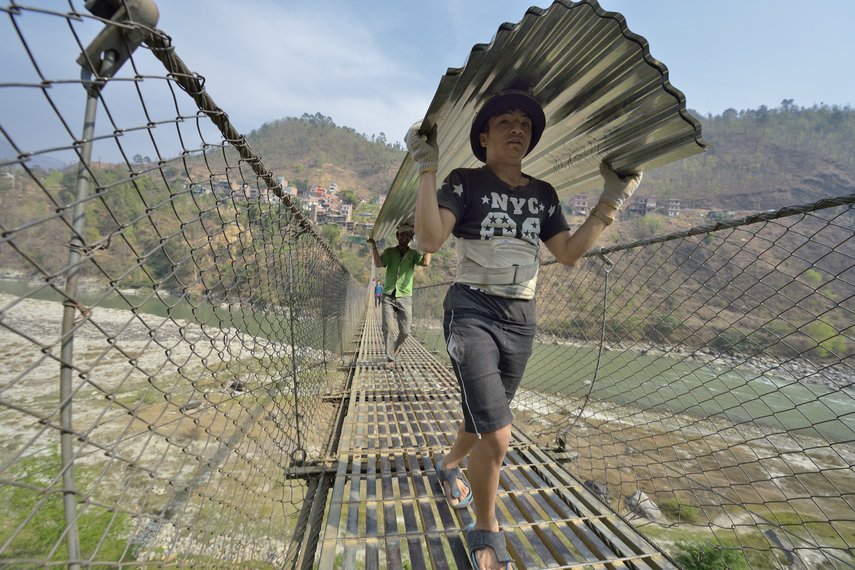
{"points": [[313, 150], [762, 159], [757, 160]]}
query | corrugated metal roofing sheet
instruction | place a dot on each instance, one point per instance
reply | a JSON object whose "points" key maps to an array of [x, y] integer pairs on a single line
{"points": [[604, 95]]}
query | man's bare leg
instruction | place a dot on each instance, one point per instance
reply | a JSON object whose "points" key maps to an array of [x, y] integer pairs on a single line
{"points": [[485, 461]]}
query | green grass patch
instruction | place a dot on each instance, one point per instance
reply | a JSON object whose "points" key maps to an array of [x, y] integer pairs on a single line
{"points": [[752, 547], [35, 505], [811, 529], [677, 511], [708, 556]]}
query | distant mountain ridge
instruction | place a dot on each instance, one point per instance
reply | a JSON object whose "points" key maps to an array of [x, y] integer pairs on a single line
{"points": [[761, 159], [313, 150], [757, 159], [45, 162]]}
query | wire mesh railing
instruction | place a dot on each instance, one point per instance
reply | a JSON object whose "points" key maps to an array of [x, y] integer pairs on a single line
{"points": [[701, 384], [172, 325]]}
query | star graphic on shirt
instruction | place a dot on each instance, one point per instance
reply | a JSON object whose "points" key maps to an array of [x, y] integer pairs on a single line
{"points": [[551, 210], [458, 189], [485, 200]]}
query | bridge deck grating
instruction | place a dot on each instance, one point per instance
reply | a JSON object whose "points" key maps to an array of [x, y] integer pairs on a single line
{"points": [[386, 509]]}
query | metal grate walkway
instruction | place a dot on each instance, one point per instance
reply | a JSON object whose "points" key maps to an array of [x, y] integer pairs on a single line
{"points": [[386, 509]]}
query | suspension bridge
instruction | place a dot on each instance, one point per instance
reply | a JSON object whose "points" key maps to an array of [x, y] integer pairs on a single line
{"points": [[191, 379]]}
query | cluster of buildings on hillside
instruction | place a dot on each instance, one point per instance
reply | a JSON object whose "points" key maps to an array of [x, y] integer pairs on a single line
{"points": [[321, 205], [325, 206], [581, 204]]}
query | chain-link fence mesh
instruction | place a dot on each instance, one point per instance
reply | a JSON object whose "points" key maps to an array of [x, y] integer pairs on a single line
{"points": [[701, 383], [171, 324]]}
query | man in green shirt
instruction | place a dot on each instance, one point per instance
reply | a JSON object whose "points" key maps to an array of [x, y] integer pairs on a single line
{"points": [[400, 262]]}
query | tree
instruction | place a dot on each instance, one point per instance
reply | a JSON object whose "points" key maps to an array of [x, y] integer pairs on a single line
{"points": [[349, 197], [300, 184], [730, 115], [331, 234]]}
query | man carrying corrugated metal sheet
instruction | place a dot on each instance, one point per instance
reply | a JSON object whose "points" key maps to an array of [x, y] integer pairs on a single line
{"points": [[399, 261], [499, 216]]}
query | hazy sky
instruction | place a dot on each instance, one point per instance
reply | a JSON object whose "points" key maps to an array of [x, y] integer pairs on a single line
{"points": [[375, 65]]}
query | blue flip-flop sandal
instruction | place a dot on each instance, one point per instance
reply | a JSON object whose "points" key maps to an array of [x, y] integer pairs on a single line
{"points": [[479, 539], [451, 476]]}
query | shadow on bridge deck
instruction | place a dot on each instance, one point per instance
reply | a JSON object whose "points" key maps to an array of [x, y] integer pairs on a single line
{"points": [[386, 509]]}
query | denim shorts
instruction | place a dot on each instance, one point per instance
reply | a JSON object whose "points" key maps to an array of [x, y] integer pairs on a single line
{"points": [[489, 357]]}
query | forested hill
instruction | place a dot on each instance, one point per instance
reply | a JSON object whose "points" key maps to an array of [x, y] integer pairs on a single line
{"points": [[757, 159], [764, 159], [313, 150]]}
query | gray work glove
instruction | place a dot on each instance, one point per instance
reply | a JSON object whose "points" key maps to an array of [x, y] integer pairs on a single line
{"points": [[617, 190], [424, 153]]}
